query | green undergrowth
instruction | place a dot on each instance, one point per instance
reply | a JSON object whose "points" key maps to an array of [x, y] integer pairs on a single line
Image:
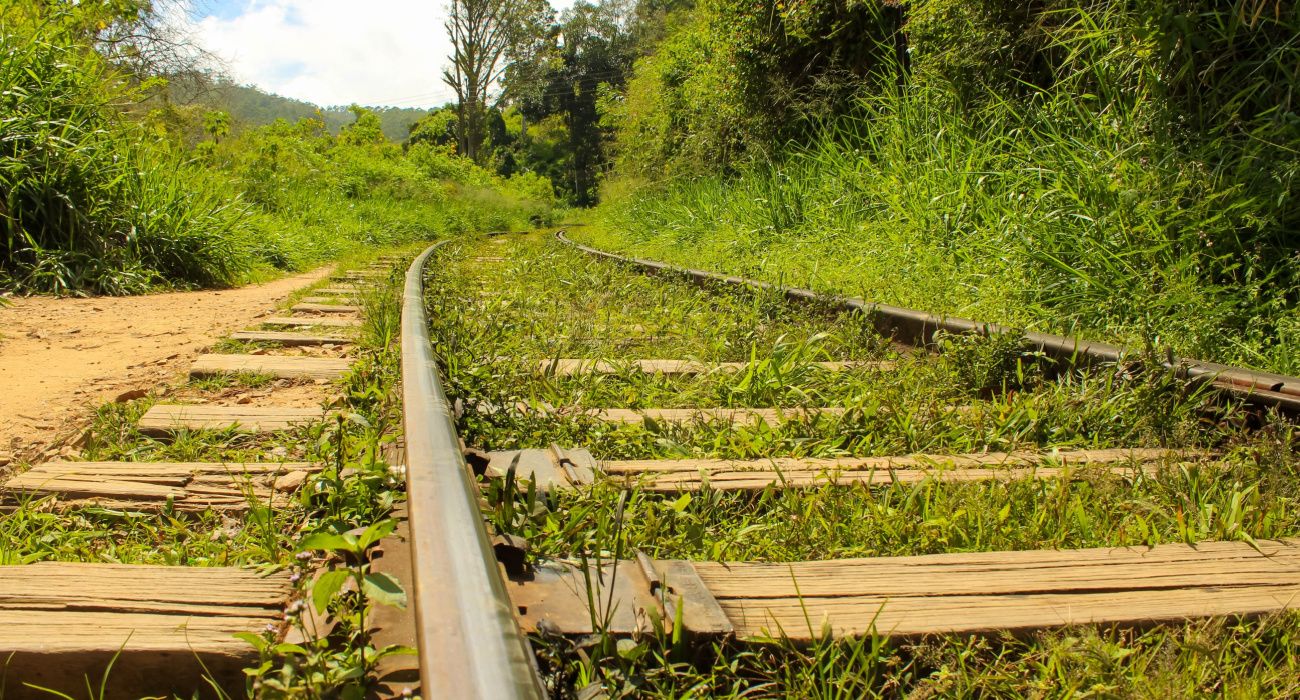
{"points": [[33, 533], [1121, 170], [1239, 497], [974, 396], [495, 321], [1212, 658], [105, 190]]}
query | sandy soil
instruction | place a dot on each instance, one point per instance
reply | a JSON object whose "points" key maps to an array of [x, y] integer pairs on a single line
{"points": [[59, 358]]}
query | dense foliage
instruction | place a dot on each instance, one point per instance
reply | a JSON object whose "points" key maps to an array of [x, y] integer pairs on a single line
{"points": [[104, 190], [252, 107], [1122, 169]]}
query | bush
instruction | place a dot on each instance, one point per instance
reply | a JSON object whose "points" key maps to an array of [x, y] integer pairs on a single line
{"points": [[95, 201], [1126, 170], [90, 202]]}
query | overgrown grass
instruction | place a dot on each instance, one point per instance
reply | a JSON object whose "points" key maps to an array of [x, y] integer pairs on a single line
{"points": [[492, 324], [91, 203], [1212, 658], [98, 198], [1122, 171]]}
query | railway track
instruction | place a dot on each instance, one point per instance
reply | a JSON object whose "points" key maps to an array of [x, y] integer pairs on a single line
{"points": [[161, 560], [617, 477], [572, 393]]}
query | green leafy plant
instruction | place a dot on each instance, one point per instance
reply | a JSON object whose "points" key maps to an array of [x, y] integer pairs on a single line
{"points": [[335, 658]]}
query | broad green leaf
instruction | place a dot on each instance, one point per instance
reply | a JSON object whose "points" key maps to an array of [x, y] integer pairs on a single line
{"points": [[326, 587], [256, 640], [327, 541], [681, 503], [385, 590], [376, 532]]}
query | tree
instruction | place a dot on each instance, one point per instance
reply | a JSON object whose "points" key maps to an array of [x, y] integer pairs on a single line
{"points": [[484, 35], [367, 130], [438, 127], [592, 55], [217, 124]]}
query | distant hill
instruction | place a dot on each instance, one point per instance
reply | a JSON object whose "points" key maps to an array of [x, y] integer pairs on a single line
{"points": [[253, 107]]}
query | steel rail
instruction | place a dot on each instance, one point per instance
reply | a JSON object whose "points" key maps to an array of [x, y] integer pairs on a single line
{"points": [[470, 645], [919, 328]]}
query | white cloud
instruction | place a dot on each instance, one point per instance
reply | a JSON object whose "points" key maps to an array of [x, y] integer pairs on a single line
{"points": [[333, 52]]}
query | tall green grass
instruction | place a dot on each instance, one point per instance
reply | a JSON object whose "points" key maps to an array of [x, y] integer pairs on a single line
{"points": [[318, 196], [88, 201], [1135, 181], [100, 195]]}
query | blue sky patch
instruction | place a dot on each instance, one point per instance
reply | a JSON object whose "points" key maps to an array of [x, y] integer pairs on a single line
{"points": [[221, 9]]}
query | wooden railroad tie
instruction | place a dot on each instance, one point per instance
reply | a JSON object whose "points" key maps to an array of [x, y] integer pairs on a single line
{"points": [[329, 299], [337, 291], [164, 629], [166, 419], [288, 339], [186, 486], [325, 308], [916, 596], [567, 367], [320, 321], [274, 365], [556, 467]]}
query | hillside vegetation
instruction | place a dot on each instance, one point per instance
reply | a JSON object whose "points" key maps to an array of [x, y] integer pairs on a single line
{"points": [[101, 193], [252, 107], [1123, 170]]}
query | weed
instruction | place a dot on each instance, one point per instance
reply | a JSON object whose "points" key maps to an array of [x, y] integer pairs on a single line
{"points": [[337, 662], [226, 380]]}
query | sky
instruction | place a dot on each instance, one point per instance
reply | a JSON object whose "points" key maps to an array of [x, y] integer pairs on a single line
{"points": [[332, 52]]}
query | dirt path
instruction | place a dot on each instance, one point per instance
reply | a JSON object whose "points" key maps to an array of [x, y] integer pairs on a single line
{"points": [[59, 358]]}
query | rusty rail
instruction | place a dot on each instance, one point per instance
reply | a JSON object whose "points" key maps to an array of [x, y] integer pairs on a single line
{"points": [[469, 642], [919, 328]]}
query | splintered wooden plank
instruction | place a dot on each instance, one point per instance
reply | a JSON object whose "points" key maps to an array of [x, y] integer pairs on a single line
{"points": [[312, 321], [163, 419], [673, 475], [1014, 591], [289, 339], [567, 367], [274, 365], [162, 628], [188, 486], [326, 308]]}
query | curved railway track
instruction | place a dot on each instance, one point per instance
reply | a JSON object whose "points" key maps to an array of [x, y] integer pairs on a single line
{"points": [[472, 595], [562, 454]]}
